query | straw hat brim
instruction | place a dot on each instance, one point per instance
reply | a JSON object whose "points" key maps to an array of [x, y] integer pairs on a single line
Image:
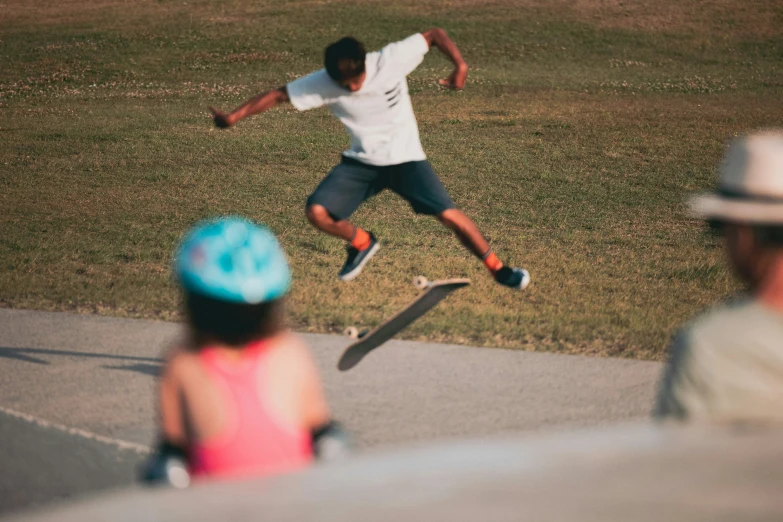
{"points": [[710, 206]]}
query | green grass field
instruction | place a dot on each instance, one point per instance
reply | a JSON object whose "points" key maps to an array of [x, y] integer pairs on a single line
{"points": [[583, 128]]}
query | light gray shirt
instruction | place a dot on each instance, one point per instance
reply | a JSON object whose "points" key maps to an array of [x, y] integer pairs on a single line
{"points": [[727, 365]]}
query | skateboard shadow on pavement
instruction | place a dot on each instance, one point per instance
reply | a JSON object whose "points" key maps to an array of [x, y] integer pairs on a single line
{"points": [[28, 355]]}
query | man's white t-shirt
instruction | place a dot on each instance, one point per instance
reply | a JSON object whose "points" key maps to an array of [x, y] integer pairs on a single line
{"points": [[379, 116]]}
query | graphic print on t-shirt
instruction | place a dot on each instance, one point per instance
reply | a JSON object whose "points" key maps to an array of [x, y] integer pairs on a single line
{"points": [[393, 96]]}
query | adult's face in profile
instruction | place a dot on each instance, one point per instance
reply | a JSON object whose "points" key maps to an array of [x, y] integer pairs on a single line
{"points": [[744, 252]]}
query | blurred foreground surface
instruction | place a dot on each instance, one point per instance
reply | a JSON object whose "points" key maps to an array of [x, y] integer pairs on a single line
{"points": [[631, 473]]}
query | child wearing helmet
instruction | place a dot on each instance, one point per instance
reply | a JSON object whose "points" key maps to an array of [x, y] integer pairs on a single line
{"points": [[243, 398]]}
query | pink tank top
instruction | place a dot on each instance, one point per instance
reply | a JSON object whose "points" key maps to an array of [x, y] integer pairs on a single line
{"points": [[253, 442]]}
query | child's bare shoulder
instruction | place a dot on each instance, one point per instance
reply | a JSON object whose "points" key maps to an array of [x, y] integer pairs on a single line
{"points": [[179, 359], [291, 348]]}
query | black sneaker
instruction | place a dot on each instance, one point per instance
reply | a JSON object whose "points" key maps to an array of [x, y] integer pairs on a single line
{"points": [[357, 259], [516, 278]]}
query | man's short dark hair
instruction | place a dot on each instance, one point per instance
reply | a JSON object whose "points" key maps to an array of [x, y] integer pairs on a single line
{"points": [[233, 324], [345, 59]]}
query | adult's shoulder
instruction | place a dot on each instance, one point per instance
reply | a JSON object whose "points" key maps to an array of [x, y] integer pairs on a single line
{"points": [[733, 320], [737, 330], [725, 364], [699, 357]]}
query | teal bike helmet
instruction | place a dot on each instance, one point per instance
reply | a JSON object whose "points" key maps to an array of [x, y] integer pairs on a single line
{"points": [[232, 259]]}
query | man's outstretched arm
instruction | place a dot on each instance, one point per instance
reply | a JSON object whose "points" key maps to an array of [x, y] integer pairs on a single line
{"points": [[437, 37], [254, 105]]}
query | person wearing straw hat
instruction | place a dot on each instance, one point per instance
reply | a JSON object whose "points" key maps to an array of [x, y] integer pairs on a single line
{"points": [[727, 365]]}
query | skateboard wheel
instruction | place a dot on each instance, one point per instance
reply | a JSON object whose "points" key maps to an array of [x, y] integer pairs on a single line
{"points": [[420, 282], [352, 332]]}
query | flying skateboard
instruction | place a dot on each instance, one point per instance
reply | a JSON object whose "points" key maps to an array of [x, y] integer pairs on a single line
{"points": [[368, 340]]}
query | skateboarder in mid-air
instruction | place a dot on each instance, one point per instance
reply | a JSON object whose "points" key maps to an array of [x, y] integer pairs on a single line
{"points": [[368, 92]]}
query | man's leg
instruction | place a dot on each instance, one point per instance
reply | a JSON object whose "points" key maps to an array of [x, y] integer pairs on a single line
{"points": [[421, 187], [320, 218], [333, 202], [466, 231]]}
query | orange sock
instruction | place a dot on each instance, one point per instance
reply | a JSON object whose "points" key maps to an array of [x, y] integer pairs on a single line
{"points": [[361, 239], [492, 262]]}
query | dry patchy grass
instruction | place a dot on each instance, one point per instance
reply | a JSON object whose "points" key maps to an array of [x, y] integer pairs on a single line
{"points": [[583, 128]]}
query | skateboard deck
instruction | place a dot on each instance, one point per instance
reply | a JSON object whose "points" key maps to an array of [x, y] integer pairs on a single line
{"points": [[434, 293]]}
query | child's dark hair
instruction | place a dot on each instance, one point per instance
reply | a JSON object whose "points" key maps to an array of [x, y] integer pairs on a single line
{"points": [[345, 59], [233, 324]]}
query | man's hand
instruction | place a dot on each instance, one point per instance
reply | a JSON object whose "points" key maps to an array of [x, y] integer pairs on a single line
{"points": [[437, 37], [222, 120], [456, 79]]}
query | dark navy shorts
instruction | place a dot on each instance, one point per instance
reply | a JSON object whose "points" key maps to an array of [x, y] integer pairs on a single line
{"points": [[352, 182]]}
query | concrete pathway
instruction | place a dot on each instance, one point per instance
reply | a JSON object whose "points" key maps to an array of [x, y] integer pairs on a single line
{"points": [[97, 374]]}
